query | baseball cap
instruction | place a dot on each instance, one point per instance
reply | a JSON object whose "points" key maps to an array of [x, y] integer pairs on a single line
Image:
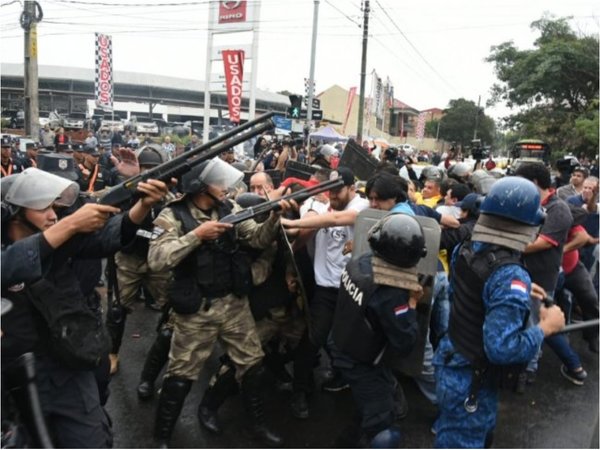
{"points": [[61, 165], [6, 141], [30, 145], [471, 202], [345, 174]]}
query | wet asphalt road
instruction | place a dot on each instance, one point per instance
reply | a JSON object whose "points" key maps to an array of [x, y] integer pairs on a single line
{"points": [[553, 413]]}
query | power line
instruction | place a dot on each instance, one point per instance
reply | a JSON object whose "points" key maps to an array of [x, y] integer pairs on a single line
{"points": [[415, 48]]}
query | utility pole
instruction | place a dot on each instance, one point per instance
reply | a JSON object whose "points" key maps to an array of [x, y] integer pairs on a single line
{"points": [[311, 76], [363, 72], [477, 118], [31, 15]]}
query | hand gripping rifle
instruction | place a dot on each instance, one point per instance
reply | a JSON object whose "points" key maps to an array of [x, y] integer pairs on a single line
{"points": [[273, 205], [184, 163]]}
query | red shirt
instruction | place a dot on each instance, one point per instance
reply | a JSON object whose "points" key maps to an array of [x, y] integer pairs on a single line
{"points": [[570, 258]]}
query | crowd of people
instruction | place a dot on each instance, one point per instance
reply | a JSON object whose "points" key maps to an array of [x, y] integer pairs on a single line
{"points": [[274, 292]]}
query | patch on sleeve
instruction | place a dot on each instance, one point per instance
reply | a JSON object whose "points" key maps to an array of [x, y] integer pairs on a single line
{"points": [[518, 286], [399, 310]]}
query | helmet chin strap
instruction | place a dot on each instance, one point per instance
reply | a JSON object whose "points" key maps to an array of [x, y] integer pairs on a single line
{"points": [[218, 202]]}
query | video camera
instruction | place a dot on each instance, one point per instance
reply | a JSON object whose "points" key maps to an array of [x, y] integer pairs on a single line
{"points": [[567, 165]]}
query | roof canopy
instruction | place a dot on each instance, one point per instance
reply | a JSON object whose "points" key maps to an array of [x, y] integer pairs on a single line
{"points": [[328, 134]]}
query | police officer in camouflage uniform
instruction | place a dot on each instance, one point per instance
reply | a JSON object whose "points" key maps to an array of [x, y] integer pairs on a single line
{"points": [[133, 273], [490, 291], [209, 292], [274, 307]]}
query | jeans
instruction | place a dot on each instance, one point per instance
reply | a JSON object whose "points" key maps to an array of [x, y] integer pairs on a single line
{"points": [[440, 308], [558, 342]]}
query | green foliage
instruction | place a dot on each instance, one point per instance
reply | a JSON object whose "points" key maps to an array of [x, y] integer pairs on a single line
{"points": [[459, 120], [554, 85], [431, 128]]}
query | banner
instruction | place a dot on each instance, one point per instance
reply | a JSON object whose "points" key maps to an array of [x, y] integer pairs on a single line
{"points": [[104, 73], [233, 61], [378, 97], [421, 126], [351, 95]]}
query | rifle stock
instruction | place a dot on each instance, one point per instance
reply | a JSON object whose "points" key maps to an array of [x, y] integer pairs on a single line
{"points": [[184, 163], [273, 205]]}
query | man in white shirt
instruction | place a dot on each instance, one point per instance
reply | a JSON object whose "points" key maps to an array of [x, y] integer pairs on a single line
{"points": [[333, 244]]}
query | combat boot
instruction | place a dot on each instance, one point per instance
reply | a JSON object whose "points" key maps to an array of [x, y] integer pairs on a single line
{"points": [[254, 405], [155, 360], [222, 386], [172, 397]]}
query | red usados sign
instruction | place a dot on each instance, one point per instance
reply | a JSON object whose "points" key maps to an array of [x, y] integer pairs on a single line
{"points": [[234, 75], [104, 70]]}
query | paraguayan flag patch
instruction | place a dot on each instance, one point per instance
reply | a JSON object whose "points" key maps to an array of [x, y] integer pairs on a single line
{"points": [[516, 285], [399, 310]]}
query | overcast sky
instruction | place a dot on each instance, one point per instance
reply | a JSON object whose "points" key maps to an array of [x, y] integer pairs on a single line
{"points": [[433, 51]]}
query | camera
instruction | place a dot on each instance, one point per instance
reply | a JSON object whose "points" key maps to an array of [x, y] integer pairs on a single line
{"points": [[477, 150]]}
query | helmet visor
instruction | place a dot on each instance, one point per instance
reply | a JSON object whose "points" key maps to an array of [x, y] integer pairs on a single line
{"points": [[36, 189], [221, 175]]}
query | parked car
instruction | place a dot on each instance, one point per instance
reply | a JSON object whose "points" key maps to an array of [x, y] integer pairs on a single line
{"points": [[194, 127], [75, 121], [143, 125], [16, 117], [111, 122], [52, 119]]}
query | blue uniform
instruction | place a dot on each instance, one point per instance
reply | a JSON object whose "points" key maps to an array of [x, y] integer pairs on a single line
{"points": [[506, 305]]}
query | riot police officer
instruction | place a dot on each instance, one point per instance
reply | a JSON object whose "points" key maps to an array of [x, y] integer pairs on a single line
{"points": [[490, 306], [209, 292], [376, 308]]}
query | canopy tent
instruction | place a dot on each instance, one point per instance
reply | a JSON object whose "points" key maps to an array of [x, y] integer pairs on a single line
{"points": [[327, 134]]}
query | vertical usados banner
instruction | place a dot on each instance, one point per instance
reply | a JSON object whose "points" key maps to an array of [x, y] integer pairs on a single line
{"points": [[104, 72], [351, 95], [233, 61]]}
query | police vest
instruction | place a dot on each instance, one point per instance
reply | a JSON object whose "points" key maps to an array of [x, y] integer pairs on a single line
{"points": [[467, 313], [353, 332], [219, 267]]}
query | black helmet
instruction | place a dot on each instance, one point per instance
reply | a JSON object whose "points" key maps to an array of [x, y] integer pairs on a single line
{"points": [[191, 182], [398, 239], [149, 157]]}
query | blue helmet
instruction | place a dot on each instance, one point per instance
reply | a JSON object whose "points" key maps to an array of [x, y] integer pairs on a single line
{"points": [[514, 198]]}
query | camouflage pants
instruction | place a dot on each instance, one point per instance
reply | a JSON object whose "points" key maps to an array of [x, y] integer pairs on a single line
{"points": [[132, 273], [455, 427], [281, 322], [194, 336]]}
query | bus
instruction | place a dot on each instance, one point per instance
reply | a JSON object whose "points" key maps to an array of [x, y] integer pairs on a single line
{"points": [[531, 149]]}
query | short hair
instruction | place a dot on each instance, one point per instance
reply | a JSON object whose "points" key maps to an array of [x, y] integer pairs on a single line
{"points": [[446, 185], [387, 167], [582, 170], [388, 186], [536, 172], [268, 179], [322, 175], [459, 191]]}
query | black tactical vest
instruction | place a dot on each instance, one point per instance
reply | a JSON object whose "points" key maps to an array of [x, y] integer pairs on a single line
{"points": [[467, 313], [219, 266], [352, 331]]}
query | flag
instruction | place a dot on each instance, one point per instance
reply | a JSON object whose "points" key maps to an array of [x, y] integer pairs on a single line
{"points": [[351, 95]]}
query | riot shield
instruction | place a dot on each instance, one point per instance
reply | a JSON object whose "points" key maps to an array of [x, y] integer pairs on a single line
{"points": [[410, 365], [300, 170], [355, 157]]}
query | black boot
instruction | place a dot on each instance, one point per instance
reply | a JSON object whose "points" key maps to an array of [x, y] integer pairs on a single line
{"points": [[155, 360], [253, 402], [172, 396], [222, 386]]}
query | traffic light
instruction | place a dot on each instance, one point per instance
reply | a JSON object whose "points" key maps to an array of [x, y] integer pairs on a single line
{"points": [[294, 110]]}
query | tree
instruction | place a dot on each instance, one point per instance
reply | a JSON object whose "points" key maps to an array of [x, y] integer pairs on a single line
{"points": [[554, 85], [458, 123]]}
